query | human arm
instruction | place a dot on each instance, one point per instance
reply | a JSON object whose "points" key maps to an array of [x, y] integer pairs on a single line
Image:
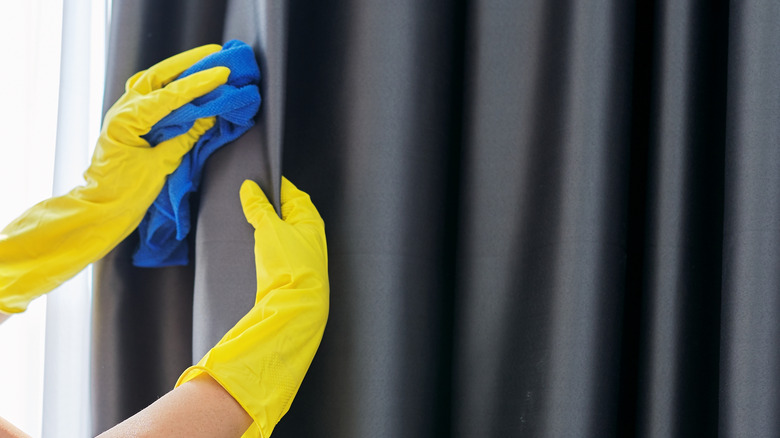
{"points": [[57, 238], [8, 430], [246, 383], [263, 359], [198, 408], [4, 316]]}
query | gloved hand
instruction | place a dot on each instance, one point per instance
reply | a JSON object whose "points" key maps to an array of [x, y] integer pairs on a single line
{"points": [[262, 360], [57, 238]]}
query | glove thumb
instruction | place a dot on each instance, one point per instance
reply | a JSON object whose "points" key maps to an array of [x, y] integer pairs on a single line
{"points": [[255, 204]]}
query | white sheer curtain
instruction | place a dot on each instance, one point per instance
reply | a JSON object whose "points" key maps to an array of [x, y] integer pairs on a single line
{"points": [[66, 371], [51, 86], [29, 80]]}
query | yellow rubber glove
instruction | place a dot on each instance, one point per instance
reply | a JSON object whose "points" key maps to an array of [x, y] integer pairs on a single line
{"points": [[57, 238], [262, 360]]}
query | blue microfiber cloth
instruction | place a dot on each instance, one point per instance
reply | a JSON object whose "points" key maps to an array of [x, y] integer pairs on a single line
{"points": [[164, 229]]}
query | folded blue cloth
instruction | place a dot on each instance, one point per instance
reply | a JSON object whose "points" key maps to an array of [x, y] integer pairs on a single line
{"points": [[164, 229]]}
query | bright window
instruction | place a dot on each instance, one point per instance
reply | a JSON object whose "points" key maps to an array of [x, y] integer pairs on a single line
{"points": [[51, 93]]}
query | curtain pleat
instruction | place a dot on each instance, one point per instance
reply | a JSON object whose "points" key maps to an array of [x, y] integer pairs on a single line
{"points": [[372, 133], [543, 253], [682, 243], [544, 218], [225, 282], [750, 309]]}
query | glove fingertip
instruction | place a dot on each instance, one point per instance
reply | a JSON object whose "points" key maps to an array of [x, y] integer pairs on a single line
{"points": [[248, 191], [167, 70], [130, 83], [208, 49], [184, 90], [288, 187], [296, 204], [212, 77]]}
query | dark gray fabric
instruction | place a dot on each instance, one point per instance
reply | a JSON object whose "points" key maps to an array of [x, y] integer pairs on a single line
{"points": [[542, 257], [544, 218], [263, 25], [225, 283], [749, 347], [372, 132], [682, 239]]}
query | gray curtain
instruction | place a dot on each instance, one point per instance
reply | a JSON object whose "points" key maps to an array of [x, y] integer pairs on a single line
{"points": [[544, 218]]}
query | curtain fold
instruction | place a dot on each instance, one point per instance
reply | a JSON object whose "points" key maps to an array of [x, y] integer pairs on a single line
{"points": [[372, 132], [225, 282], [682, 238], [543, 260], [544, 218], [750, 310]]}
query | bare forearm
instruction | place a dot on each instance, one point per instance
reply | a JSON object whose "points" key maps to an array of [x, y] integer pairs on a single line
{"points": [[9, 430], [198, 408], [4, 316]]}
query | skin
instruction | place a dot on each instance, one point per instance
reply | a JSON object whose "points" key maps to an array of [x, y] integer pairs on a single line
{"points": [[198, 408], [10, 431]]}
